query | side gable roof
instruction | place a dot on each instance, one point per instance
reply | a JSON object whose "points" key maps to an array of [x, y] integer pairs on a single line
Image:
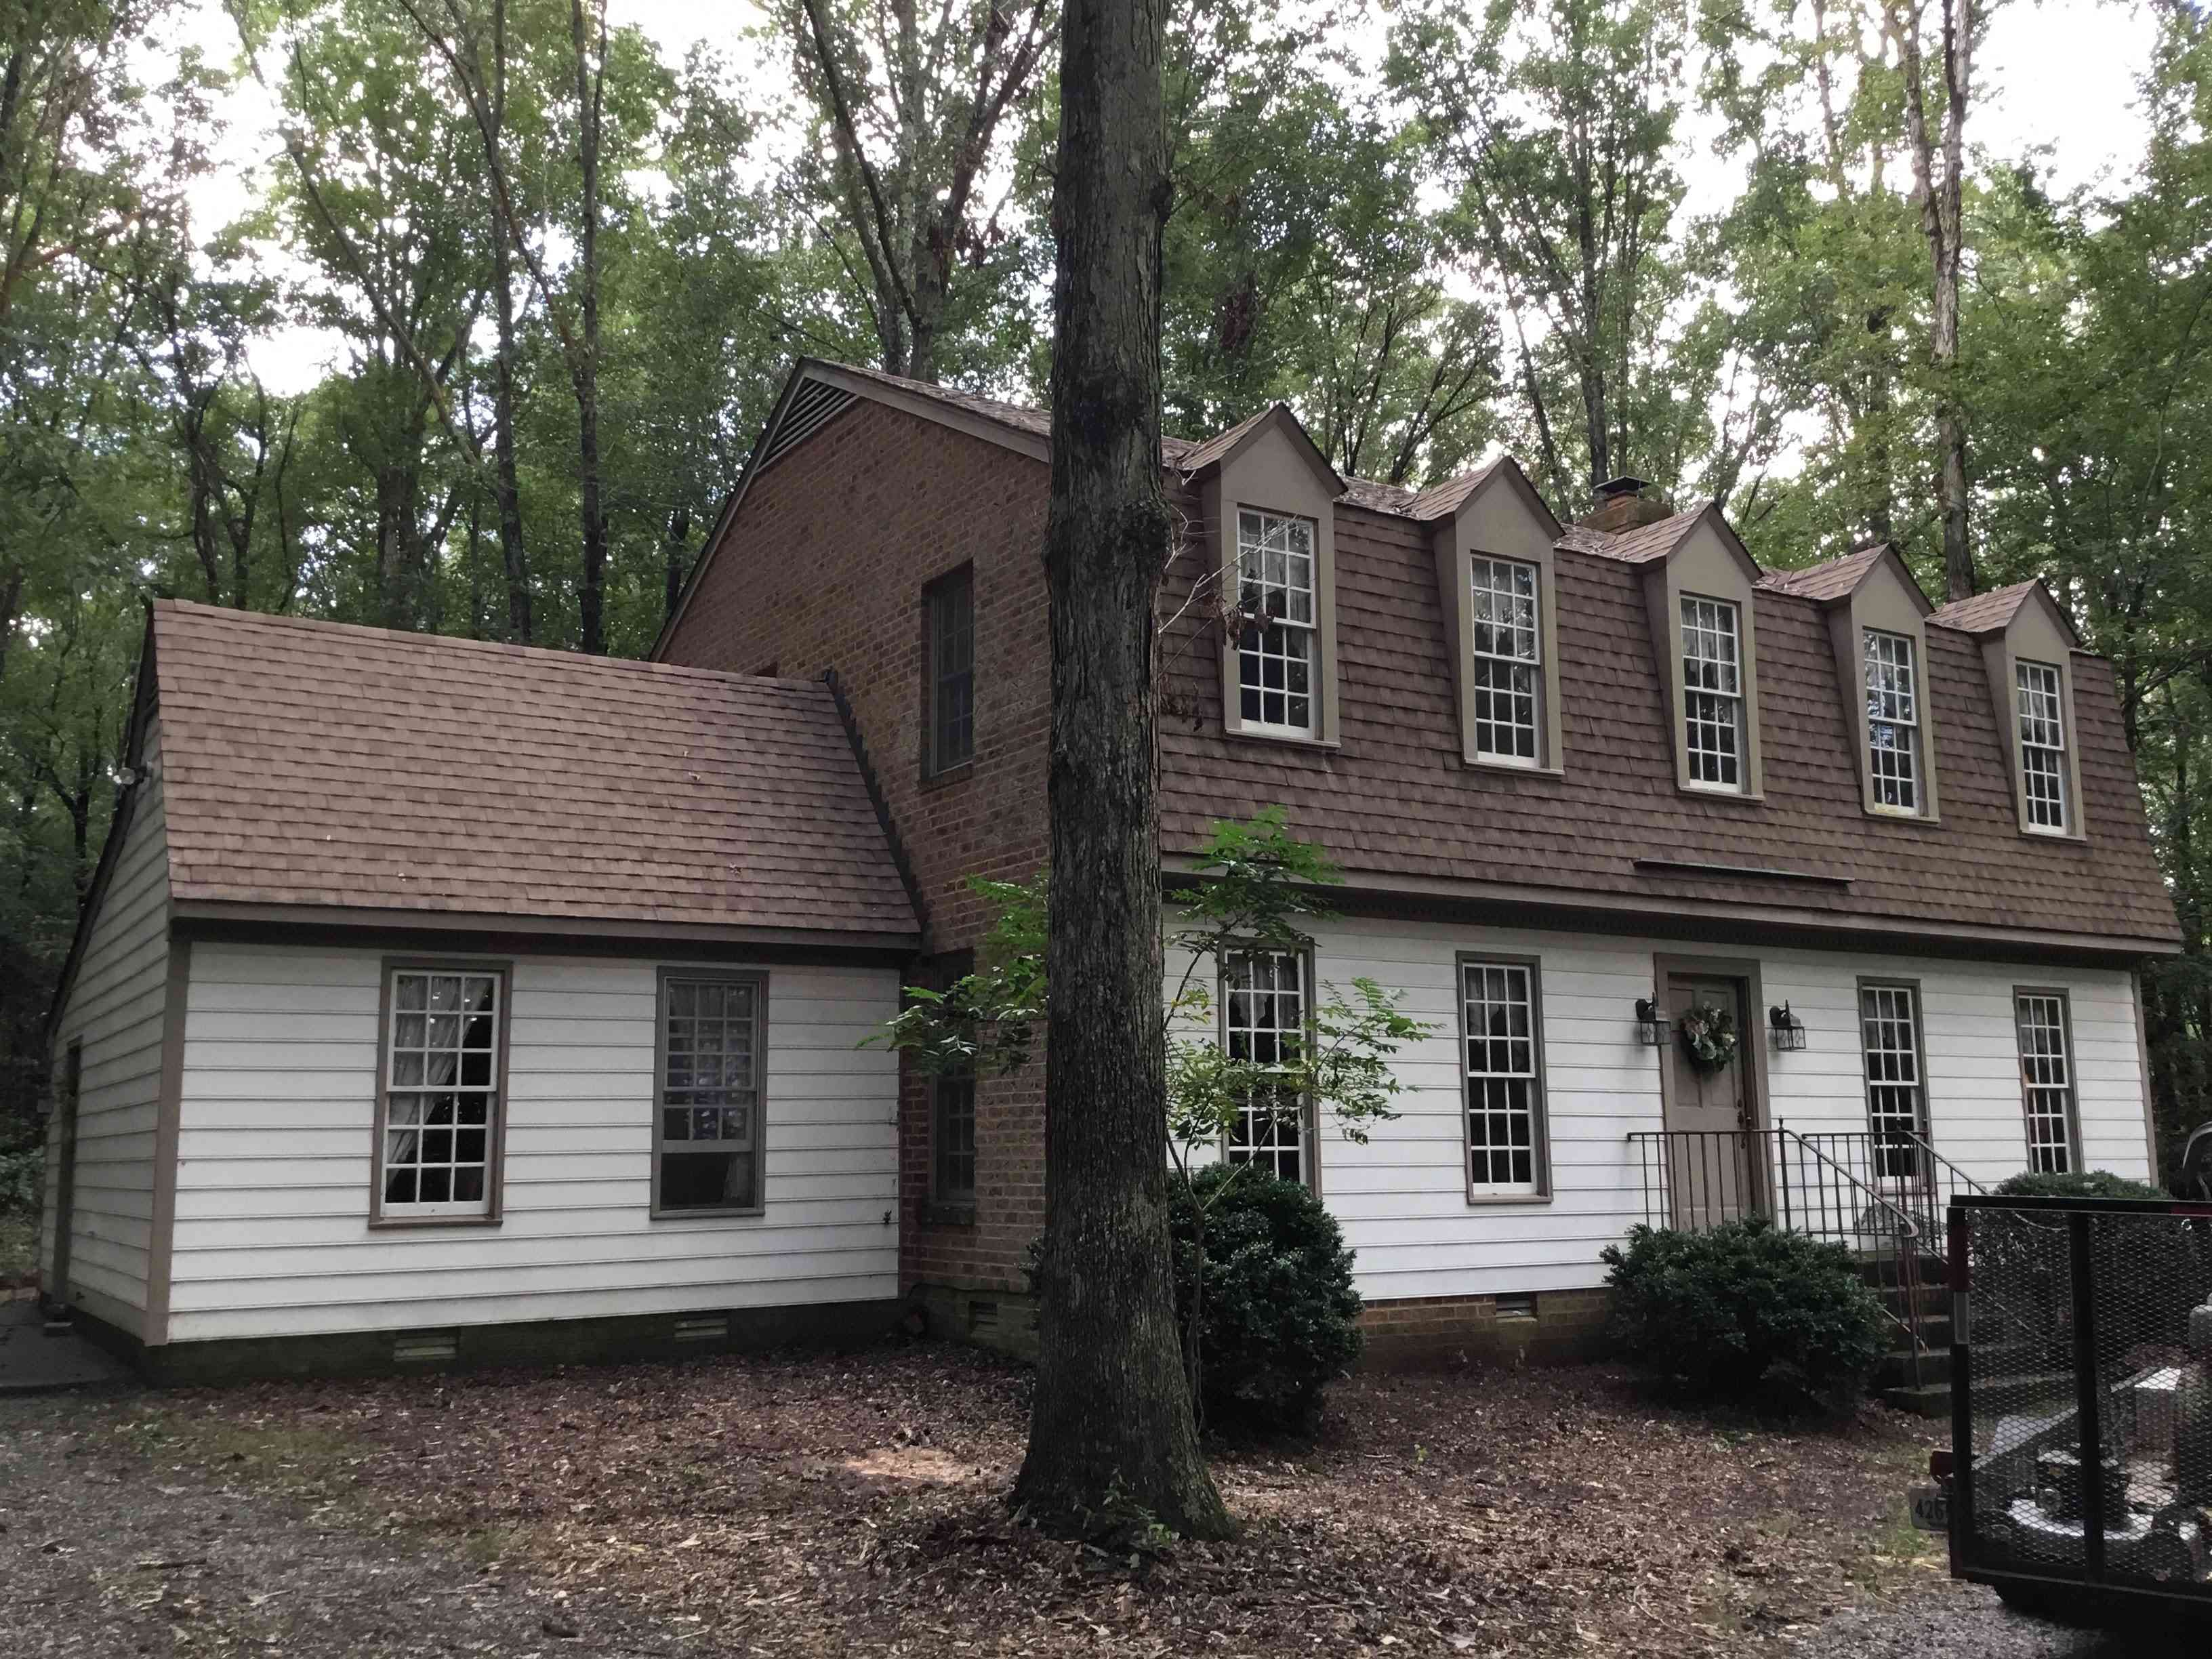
{"points": [[359, 769], [1217, 451], [1652, 543], [1992, 612], [1834, 580]]}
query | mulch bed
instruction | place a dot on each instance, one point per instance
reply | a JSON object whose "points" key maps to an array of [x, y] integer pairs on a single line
{"points": [[817, 1505]]}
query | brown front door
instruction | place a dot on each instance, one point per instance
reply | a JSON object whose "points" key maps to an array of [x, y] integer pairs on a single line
{"points": [[65, 1173], [1713, 1174]]}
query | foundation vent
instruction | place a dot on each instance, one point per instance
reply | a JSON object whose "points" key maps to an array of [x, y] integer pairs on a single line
{"points": [[982, 1316], [1517, 1307], [703, 1328], [425, 1348]]}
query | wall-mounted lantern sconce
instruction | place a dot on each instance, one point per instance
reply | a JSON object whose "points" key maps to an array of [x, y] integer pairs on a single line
{"points": [[1651, 1027], [1783, 1028]]}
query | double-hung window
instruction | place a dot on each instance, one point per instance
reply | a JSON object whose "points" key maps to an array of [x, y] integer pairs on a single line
{"points": [[1508, 665], [443, 1050], [2046, 1077], [953, 1137], [1893, 707], [1897, 1100], [949, 730], [1712, 692], [2042, 746], [1278, 644], [1503, 1055], [707, 1138], [1264, 1023]]}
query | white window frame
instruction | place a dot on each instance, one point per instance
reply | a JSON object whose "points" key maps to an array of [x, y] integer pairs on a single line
{"points": [[1517, 585], [1279, 598], [1502, 1079], [1270, 1133], [410, 1134], [1713, 687], [2040, 687], [1891, 681], [751, 1140], [1892, 1052], [2050, 1100]]}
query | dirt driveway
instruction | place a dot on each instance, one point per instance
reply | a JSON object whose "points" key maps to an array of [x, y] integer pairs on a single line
{"points": [[817, 1505]]}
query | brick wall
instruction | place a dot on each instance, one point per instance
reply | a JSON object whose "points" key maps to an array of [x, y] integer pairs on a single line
{"points": [[1549, 1327], [824, 568]]}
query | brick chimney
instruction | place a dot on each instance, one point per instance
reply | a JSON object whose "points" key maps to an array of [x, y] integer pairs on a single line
{"points": [[1622, 505]]}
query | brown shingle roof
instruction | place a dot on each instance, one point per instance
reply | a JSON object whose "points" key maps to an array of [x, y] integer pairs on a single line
{"points": [[1441, 499], [318, 763], [1831, 579], [1984, 613], [1637, 546], [1396, 806]]}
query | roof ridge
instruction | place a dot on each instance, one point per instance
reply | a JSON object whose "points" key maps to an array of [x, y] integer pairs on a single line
{"points": [[430, 640]]}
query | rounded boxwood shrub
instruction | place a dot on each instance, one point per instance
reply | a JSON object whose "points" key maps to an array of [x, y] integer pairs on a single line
{"points": [[1746, 1306], [1278, 1317]]}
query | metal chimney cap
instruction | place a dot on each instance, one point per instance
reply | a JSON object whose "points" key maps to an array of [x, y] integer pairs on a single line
{"points": [[1613, 488]]}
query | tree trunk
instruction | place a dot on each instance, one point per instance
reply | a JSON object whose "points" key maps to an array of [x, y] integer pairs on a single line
{"points": [[1113, 1442], [591, 597], [679, 537], [506, 488]]}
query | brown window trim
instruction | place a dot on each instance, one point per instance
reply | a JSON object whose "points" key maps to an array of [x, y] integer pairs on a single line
{"points": [[759, 978], [1541, 1131], [496, 1173], [931, 771]]}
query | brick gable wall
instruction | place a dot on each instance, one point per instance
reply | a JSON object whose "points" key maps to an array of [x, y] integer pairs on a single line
{"points": [[825, 568]]}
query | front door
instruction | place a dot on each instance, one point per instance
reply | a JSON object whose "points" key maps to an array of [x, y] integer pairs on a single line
{"points": [[65, 1173], [1712, 1176]]}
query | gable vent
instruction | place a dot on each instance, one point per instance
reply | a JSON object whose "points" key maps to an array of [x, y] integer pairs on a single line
{"points": [[703, 1328], [813, 405], [425, 1348]]}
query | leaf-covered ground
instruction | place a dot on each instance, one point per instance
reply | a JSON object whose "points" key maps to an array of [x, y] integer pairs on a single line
{"points": [[820, 1505]]}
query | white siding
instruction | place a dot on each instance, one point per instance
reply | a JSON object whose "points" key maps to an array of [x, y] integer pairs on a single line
{"points": [[1401, 1198], [114, 1009], [273, 1180]]}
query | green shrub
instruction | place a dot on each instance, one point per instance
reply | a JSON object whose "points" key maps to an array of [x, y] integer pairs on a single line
{"points": [[2081, 1183], [22, 1174], [1725, 1313], [1279, 1317]]}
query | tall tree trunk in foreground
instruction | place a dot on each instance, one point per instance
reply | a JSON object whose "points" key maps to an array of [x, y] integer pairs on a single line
{"points": [[590, 93], [1113, 1440]]}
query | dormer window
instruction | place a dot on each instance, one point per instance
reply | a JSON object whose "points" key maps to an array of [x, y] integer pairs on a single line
{"points": [[1892, 727], [1276, 654], [1712, 693], [2042, 715], [1507, 641]]}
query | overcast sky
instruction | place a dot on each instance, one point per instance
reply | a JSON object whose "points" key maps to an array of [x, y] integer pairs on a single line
{"points": [[2057, 77]]}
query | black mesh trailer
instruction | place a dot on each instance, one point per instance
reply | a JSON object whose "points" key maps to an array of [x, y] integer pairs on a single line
{"points": [[2079, 1477]]}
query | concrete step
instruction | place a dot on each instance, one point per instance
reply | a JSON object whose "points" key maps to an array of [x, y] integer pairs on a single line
{"points": [[1995, 1396]]}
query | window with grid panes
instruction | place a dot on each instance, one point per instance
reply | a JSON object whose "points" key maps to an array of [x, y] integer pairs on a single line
{"points": [[1712, 693], [1505, 1087], [2042, 746], [952, 1140], [1278, 644], [1508, 661], [712, 1044], [441, 1100], [1893, 702], [1897, 1106], [952, 671], [1264, 1021], [2046, 1075]]}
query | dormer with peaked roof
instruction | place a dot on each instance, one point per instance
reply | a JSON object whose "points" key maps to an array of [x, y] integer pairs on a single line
{"points": [[1699, 583], [1493, 540], [1877, 626], [2027, 645], [1267, 513]]}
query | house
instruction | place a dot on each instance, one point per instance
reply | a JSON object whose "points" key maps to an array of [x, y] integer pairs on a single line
{"points": [[445, 1001]]}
